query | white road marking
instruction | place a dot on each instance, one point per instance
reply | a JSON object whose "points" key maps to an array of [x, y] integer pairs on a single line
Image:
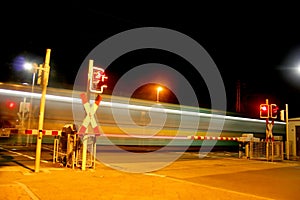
{"points": [[24, 155], [28, 191]]}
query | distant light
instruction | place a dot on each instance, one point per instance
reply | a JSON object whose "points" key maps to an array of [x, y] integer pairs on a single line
{"points": [[10, 104], [28, 66], [264, 108], [159, 89], [298, 69]]}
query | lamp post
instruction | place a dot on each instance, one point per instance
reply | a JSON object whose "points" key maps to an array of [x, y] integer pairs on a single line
{"points": [[158, 89], [44, 82]]}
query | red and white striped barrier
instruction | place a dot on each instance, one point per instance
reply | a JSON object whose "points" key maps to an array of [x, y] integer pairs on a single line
{"points": [[45, 132], [90, 111], [213, 138]]}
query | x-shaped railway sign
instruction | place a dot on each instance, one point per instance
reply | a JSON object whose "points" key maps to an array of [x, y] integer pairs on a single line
{"points": [[269, 130], [90, 111]]}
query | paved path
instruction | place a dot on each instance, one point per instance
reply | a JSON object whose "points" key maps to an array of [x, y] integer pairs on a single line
{"points": [[187, 178]]}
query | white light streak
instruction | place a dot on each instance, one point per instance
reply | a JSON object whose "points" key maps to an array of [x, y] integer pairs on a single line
{"points": [[131, 107]]}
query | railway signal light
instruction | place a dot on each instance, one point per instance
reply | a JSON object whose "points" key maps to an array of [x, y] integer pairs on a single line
{"points": [[274, 111], [264, 111], [11, 105], [98, 80]]}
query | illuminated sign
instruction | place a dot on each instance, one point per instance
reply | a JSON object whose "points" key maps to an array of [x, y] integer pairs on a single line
{"points": [[98, 80]]}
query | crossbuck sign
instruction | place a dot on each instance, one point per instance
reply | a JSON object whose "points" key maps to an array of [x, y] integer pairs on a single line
{"points": [[90, 111]]}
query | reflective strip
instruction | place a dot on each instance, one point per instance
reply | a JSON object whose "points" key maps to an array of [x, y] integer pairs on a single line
{"points": [[212, 138], [44, 132]]}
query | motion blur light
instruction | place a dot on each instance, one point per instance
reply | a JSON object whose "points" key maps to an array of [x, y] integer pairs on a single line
{"points": [[109, 104]]}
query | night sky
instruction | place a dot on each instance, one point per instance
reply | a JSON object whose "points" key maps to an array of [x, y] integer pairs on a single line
{"points": [[253, 45]]}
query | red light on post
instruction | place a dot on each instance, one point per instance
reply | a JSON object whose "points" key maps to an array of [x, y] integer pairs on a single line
{"points": [[274, 111], [98, 80], [11, 105], [264, 111]]}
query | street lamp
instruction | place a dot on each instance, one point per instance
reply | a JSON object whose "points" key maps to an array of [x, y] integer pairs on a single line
{"points": [[298, 69], [158, 89]]}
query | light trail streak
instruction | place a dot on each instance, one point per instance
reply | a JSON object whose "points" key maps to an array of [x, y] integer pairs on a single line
{"points": [[131, 106]]}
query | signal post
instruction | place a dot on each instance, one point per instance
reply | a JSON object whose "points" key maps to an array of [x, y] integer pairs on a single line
{"points": [[266, 112], [44, 82], [96, 83], [270, 111]]}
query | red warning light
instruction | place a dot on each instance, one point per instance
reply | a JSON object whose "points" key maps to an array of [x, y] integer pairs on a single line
{"points": [[264, 111], [11, 105], [274, 111], [98, 80]]}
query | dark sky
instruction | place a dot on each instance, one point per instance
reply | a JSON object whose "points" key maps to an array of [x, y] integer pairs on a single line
{"points": [[253, 44]]}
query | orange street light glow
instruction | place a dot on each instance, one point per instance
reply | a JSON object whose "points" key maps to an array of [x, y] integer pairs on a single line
{"points": [[157, 93]]}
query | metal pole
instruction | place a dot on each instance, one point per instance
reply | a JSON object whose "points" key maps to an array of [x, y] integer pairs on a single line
{"points": [[287, 132], [46, 69], [272, 151], [85, 138], [267, 150]]}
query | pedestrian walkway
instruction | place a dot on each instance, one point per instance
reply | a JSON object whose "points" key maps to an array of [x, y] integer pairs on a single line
{"points": [[55, 182]]}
